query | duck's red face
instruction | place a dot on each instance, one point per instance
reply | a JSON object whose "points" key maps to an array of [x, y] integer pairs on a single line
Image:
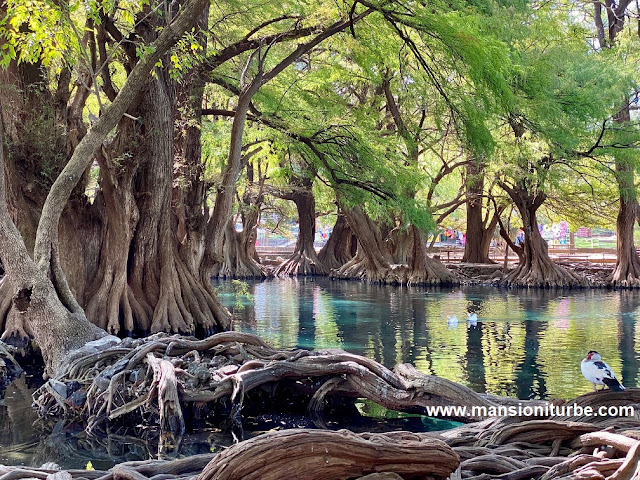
{"points": [[590, 355]]}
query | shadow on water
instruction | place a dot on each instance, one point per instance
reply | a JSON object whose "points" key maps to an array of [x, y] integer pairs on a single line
{"points": [[526, 343]]}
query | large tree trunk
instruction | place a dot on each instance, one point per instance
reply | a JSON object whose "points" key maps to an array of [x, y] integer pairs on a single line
{"points": [[627, 270], [239, 254], [190, 189], [374, 262], [425, 270], [108, 292], [40, 292], [337, 251], [223, 208], [34, 297], [145, 283], [479, 232], [373, 259], [536, 269], [304, 260], [43, 128], [240, 259]]}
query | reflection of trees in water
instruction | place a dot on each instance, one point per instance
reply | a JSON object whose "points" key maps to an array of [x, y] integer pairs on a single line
{"points": [[473, 360], [628, 305], [307, 292], [16, 418], [352, 328], [530, 379], [576, 322], [419, 352], [72, 448], [528, 343]]}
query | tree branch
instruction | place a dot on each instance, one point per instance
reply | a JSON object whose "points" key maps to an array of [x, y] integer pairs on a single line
{"points": [[83, 153]]}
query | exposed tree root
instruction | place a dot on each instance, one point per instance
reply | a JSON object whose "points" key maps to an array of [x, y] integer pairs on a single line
{"points": [[313, 454], [116, 383], [239, 258], [158, 379], [540, 271], [302, 262]]}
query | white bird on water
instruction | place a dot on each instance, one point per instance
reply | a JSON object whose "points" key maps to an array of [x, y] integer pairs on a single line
{"points": [[472, 320], [599, 373], [452, 321]]}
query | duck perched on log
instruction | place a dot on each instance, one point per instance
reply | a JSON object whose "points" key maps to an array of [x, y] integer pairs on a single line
{"points": [[599, 373]]}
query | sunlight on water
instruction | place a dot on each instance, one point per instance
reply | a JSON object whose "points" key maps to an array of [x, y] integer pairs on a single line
{"points": [[527, 343]]}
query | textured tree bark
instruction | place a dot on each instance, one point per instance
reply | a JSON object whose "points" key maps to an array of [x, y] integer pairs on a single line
{"points": [[312, 454], [109, 292], [239, 252], [222, 210], [34, 298], [479, 233], [43, 127], [41, 293], [425, 270], [337, 251], [627, 270], [304, 260], [190, 191], [536, 269], [373, 259]]}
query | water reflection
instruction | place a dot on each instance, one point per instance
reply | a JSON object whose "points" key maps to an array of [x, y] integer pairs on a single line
{"points": [[527, 343]]}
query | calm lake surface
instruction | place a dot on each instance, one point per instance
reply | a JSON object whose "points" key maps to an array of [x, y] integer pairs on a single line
{"points": [[526, 344]]}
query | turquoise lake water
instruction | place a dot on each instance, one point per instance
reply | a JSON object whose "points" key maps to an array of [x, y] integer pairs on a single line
{"points": [[526, 344]]}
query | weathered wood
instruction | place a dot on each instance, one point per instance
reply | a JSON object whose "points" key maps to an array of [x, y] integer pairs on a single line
{"points": [[164, 377], [313, 454], [221, 370], [621, 442]]}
